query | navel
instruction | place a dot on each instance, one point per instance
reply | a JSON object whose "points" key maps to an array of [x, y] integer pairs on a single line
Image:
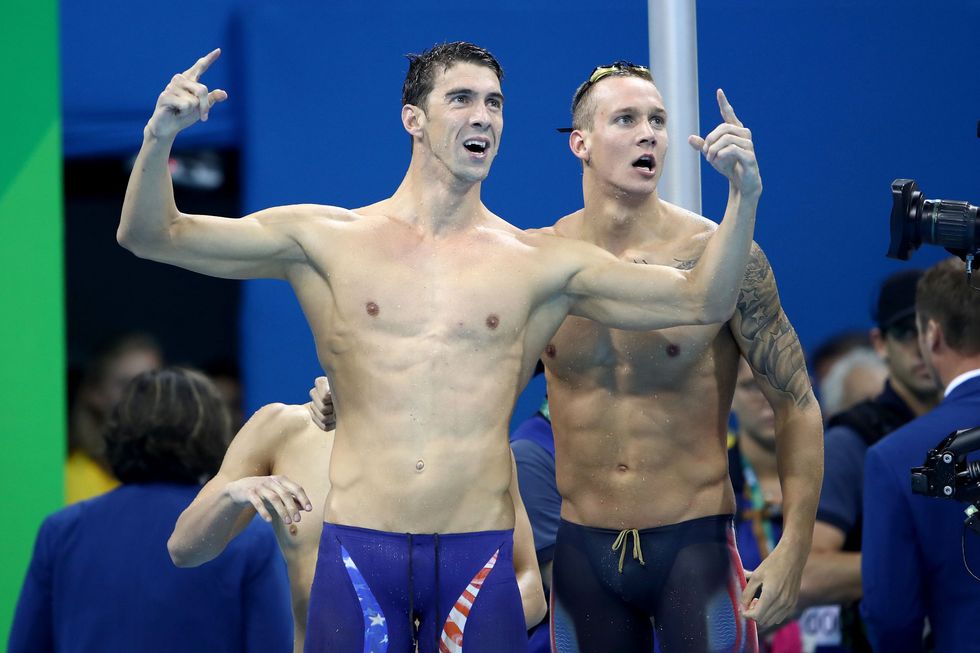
{"points": [[550, 351], [673, 350], [420, 465]]}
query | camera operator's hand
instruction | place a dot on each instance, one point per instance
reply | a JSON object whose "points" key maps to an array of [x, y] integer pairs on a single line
{"points": [[778, 576], [185, 100], [729, 149]]}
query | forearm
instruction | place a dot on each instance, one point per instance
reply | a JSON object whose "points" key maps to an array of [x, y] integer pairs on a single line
{"points": [[831, 577], [532, 596], [799, 454], [717, 277], [149, 210], [206, 527]]}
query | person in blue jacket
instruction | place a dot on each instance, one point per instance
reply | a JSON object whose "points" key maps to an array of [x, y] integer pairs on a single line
{"points": [[101, 578], [916, 550]]}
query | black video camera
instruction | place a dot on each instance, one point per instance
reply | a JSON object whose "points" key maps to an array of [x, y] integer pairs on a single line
{"points": [[916, 221], [947, 473]]}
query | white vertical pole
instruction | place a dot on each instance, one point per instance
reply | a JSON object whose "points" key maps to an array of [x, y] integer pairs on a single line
{"points": [[674, 64]]}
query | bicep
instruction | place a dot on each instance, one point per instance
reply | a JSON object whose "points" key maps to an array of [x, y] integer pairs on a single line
{"points": [[767, 339], [260, 245]]}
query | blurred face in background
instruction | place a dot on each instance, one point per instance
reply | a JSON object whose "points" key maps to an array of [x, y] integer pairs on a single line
{"points": [[756, 418]]}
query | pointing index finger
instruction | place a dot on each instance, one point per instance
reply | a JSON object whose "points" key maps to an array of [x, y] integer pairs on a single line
{"points": [[201, 65], [727, 112]]}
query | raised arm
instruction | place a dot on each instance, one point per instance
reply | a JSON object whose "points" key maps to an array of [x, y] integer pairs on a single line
{"points": [[772, 349], [525, 558], [151, 226], [242, 487], [651, 297]]}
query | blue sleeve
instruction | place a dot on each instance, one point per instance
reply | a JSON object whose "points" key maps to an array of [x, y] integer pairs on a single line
{"points": [[891, 567], [840, 496], [267, 604], [33, 630], [539, 491]]}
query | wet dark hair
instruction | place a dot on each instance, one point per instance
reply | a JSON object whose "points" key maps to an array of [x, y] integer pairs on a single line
{"points": [[944, 295], [171, 425], [422, 68], [583, 107]]}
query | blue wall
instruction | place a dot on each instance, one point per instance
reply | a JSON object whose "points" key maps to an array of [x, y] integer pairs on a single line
{"points": [[842, 97]]}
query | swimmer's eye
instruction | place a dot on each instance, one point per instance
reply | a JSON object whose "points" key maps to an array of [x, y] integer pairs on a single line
{"points": [[494, 103], [658, 120], [624, 119]]}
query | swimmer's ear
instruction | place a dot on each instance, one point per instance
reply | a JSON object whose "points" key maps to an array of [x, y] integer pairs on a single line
{"points": [[413, 119], [579, 145]]}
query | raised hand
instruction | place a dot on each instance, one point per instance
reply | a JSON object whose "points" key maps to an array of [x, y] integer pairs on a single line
{"points": [[321, 405], [729, 149], [185, 100], [270, 495]]}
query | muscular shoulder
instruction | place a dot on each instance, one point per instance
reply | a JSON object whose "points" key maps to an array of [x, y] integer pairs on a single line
{"points": [[269, 430]]}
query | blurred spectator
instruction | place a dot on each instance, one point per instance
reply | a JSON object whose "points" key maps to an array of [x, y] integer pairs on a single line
{"points": [[856, 376], [833, 571], [101, 578], [921, 548], [227, 378], [829, 351], [112, 367]]}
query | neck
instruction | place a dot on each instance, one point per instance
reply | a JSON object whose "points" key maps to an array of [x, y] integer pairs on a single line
{"points": [[920, 405], [761, 458], [435, 201], [617, 221], [956, 366]]}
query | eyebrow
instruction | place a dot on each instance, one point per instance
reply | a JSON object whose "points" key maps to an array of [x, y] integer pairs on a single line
{"points": [[622, 110], [468, 91]]}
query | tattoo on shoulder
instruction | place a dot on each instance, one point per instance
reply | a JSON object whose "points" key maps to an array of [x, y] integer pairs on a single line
{"points": [[773, 346], [686, 264]]}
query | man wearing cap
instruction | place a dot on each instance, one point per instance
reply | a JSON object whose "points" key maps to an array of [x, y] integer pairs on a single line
{"points": [[833, 571]]}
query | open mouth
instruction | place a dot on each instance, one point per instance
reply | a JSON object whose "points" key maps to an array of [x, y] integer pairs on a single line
{"points": [[476, 145], [645, 162]]}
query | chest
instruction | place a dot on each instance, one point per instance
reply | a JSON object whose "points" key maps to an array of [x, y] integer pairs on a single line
{"points": [[582, 346], [473, 289]]}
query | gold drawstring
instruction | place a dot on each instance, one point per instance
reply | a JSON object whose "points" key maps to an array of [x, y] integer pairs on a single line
{"points": [[620, 544]]}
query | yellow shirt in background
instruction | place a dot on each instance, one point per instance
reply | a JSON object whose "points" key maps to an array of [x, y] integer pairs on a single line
{"points": [[85, 478]]}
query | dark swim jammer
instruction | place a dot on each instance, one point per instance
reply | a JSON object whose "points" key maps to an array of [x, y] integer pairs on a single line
{"points": [[370, 587], [688, 584]]}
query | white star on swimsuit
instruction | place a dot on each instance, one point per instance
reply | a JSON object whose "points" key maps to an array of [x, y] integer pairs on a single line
{"points": [[377, 620]]}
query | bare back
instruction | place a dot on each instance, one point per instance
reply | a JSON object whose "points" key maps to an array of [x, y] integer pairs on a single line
{"points": [[640, 418]]}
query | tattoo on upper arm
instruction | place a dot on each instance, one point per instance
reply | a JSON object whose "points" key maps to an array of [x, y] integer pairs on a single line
{"points": [[771, 344]]}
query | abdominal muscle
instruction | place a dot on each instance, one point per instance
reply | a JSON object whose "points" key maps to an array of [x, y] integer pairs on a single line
{"points": [[626, 462], [409, 473]]}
